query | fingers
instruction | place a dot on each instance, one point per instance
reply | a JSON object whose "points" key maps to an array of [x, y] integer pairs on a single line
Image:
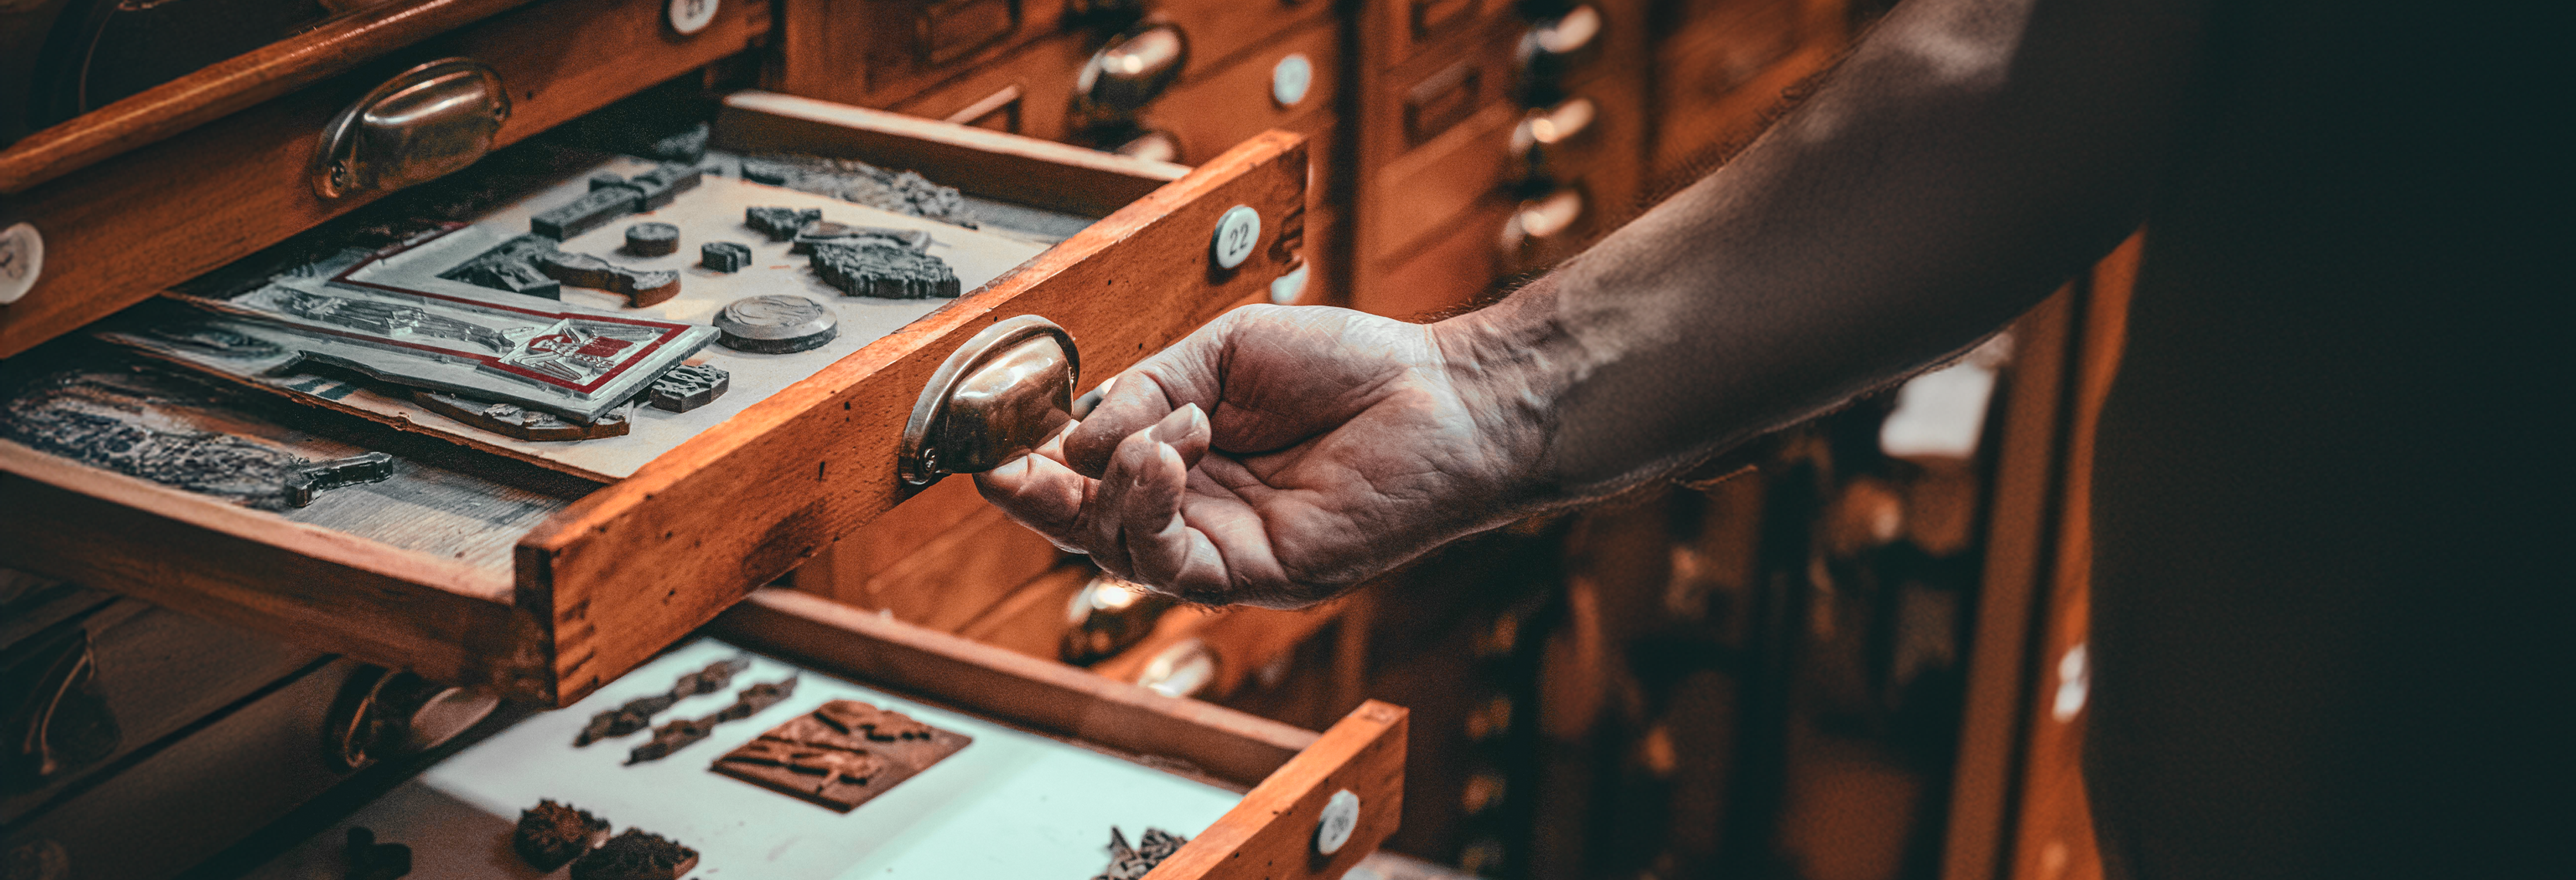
{"points": [[1141, 488], [1040, 492], [1144, 395]]}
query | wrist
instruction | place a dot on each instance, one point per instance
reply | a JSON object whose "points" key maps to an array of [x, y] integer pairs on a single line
{"points": [[1510, 365]]}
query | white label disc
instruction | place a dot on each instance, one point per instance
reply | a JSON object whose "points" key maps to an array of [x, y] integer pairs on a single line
{"points": [[1341, 815], [1236, 234], [1290, 78], [692, 16], [22, 261]]}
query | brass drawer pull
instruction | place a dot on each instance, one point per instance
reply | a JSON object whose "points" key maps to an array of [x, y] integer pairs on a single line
{"points": [[383, 714], [423, 123], [1132, 71], [57, 719], [994, 399]]}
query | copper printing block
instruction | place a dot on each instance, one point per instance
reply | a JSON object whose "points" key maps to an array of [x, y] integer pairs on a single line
{"points": [[636, 855], [841, 754], [551, 834]]}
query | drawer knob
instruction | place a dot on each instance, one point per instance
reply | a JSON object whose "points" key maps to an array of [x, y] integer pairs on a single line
{"points": [[384, 714], [1132, 71], [994, 399], [423, 123], [688, 17], [1290, 78]]}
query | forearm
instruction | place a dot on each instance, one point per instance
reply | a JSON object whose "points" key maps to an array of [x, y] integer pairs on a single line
{"points": [[1965, 159]]}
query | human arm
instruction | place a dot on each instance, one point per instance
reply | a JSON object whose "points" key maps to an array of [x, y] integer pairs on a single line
{"points": [[1968, 156]]}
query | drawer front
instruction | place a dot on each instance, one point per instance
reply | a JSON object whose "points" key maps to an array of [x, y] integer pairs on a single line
{"points": [[192, 799], [149, 672], [1400, 30], [879, 53], [1445, 272], [1028, 93], [1220, 32], [126, 228], [1422, 195], [1231, 104], [576, 595]]}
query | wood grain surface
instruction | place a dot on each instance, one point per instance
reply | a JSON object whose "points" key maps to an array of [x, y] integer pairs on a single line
{"points": [[1271, 834], [1044, 174], [660, 553], [1049, 697], [151, 217], [232, 85]]}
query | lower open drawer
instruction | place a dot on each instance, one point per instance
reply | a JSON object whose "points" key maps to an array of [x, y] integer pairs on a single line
{"points": [[546, 585], [1058, 758]]}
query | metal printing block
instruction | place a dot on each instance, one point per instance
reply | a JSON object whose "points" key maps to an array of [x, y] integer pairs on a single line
{"points": [[780, 224], [114, 420], [365, 467], [841, 755], [724, 256], [869, 269], [850, 180], [688, 386], [511, 267], [513, 420], [640, 287], [593, 210], [664, 184], [652, 239], [636, 855], [549, 835], [828, 232], [778, 323]]}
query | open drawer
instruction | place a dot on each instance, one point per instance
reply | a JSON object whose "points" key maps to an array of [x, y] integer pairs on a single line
{"points": [[545, 586]]}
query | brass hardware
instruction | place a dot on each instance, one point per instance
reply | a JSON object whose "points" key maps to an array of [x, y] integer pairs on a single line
{"points": [[1181, 670], [57, 719], [1107, 616], [1132, 71], [1152, 146], [1543, 218], [1552, 126], [423, 123], [997, 397], [384, 714]]}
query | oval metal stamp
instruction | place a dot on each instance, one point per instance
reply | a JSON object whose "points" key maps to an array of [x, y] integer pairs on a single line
{"points": [[777, 323]]}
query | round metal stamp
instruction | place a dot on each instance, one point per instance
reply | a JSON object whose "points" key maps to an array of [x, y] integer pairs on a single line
{"points": [[652, 239], [777, 323]]}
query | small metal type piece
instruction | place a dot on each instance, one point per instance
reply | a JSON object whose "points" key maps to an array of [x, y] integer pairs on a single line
{"points": [[551, 834], [22, 261], [604, 179], [1238, 231], [777, 323], [1340, 817], [841, 754], [1134, 862], [366, 467], [869, 268], [994, 399], [593, 210], [851, 180], [664, 184], [680, 732], [369, 860], [827, 232], [652, 239], [640, 287], [425, 122], [111, 420], [688, 386], [639, 712], [513, 420], [512, 267], [724, 256], [780, 224], [636, 855]]}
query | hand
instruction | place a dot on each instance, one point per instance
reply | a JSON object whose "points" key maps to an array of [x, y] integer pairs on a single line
{"points": [[1276, 457]]}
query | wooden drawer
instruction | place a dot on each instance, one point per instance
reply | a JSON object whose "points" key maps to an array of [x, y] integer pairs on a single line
{"points": [[121, 678], [1288, 774], [556, 588], [1421, 195], [1227, 105], [186, 802], [1395, 31], [1030, 93], [123, 229], [877, 53], [1220, 31]]}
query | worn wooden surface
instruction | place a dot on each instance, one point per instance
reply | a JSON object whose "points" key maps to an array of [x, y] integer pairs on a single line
{"points": [[1045, 696], [1271, 834], [151, 217], [660, 553], [982, 162], [1032, 620], [2017, 544], [1243, 639], [232, 85], [322, 588]]}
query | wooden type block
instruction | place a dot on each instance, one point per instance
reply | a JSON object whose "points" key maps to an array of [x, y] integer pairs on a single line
{"points": [[511, 267], [841, 754], [869, 269], [589, 212], [680, 733], [639, 712], [550, 835], [636, 855], [513, 420], [689, 386], [652, 239], [780, 224], [642, 288], [724, 256]]}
